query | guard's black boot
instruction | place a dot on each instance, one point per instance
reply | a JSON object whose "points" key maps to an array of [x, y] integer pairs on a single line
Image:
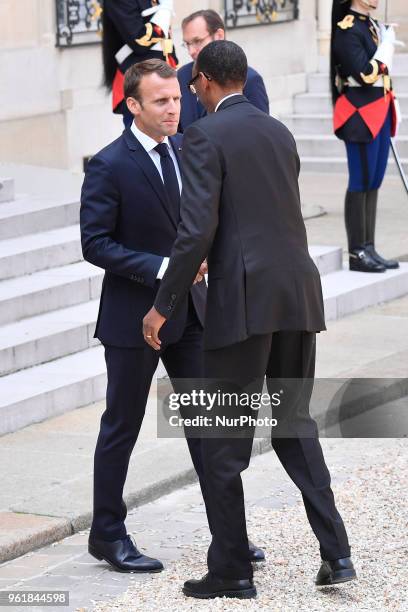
{"points": [[355, 218], [336, 572], [211, 586], [123, 556], [361, 261], [371, 215]]}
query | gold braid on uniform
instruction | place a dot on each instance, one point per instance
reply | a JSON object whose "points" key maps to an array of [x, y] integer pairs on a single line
{"points": [[372, 78], [148, 40], [347, 22]]}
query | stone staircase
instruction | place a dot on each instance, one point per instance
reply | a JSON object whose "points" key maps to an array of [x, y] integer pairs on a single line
{"points": [[49, 360], [312, 124]]}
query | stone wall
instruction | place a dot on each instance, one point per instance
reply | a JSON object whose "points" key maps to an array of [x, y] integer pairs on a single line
{"points": [[54, 111]]}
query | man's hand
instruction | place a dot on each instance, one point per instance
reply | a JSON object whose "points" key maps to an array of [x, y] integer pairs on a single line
{"points": [[202, 271], [152, 324]]}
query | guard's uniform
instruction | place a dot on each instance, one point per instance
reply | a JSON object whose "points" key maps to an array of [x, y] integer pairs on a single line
{"points": [[132, 35], [365, 117]]}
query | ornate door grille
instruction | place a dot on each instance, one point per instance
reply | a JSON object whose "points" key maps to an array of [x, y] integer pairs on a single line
{"points": [[241, 13], [79, 22]]}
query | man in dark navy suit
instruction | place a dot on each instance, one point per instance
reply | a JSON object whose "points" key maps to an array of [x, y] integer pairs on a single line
{"points": [[199, 29], [129, 215]]}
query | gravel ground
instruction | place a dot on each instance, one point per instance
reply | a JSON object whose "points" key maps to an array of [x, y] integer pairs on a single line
{"points": [[373, 502]]}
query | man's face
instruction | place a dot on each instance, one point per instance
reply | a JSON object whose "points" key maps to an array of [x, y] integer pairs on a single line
{"points": [[200, 88], [367, 4], [158, 112], [196, 36]]}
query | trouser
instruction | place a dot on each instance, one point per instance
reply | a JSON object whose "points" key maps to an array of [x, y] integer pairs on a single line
{"points": [[367, 162], [281, 355], [130, 372]]}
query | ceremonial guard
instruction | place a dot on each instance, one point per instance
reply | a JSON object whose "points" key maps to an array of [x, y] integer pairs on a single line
{"points": [[133, 31], [365, 117]]}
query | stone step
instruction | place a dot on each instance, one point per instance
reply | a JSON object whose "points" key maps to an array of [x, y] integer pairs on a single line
{"points": [[322, 124], [319, 145], [346, 292], [321, 103], [37, 393], [48, 290], [6, 189], [327, 258], [318, 82], [338, 165], [42, 338], [31, 214], [35, 252], [50, 389], [49, 336]]}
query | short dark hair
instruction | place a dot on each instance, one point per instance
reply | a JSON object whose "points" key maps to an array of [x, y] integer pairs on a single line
{"points": [[135, 74], [212, 19], [224, 61]]}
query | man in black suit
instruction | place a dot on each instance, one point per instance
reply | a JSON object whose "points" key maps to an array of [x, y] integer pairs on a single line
{"points": [[129, 216], [241, 209], [199, 29]]}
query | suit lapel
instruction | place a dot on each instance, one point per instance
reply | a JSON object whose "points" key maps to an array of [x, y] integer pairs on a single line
{"points": [[175, 142], [148, 168]]}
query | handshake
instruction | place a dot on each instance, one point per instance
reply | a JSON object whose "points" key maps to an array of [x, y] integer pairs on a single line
{"points": [[201, 273]]}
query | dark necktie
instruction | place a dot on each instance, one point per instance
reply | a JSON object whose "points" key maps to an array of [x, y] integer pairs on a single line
{"points": [[170, 180]]}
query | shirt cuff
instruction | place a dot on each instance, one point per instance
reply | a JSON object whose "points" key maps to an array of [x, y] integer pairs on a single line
{"points": [[163, 268]]}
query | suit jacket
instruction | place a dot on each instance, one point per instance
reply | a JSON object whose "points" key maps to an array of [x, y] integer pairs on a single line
{"points": [[192, 109], [240, 206], [127, 228]]}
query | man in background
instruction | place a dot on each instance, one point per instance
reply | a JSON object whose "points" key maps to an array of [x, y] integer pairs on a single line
{"points": [[199, 29]]}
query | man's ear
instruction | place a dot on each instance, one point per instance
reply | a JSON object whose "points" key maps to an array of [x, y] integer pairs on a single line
{"points": [[133, 106], [219, 34]]}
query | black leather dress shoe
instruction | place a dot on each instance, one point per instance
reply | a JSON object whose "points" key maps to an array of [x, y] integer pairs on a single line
{"points": [[123, 556], [211, 586], [336, 572], [255, 554], [390, 264], [361, 261]]}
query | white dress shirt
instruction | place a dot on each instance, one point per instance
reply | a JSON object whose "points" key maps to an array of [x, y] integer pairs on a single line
{"points": [[239, 93], [149, 144]]}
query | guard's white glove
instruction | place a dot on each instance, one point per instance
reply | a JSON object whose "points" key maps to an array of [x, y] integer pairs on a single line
{"points": [[386, 49], [168, 4], [163, 19], [162, 15], [387, 33]]}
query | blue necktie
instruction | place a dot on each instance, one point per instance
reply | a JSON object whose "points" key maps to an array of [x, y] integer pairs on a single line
{"points": [[170, 180]]}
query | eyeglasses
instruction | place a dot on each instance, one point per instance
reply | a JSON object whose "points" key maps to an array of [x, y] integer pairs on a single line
{"points": [[196, 43], [191, 85]]}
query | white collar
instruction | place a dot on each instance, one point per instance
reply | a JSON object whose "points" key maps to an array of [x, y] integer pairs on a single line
{"points": [[146, 141], [226, 98]]}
